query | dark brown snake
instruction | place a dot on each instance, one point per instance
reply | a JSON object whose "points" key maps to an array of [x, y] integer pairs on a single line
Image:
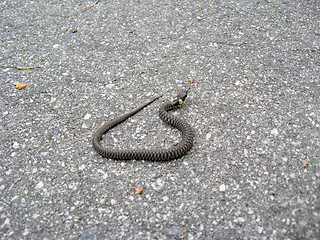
{"points": [[173, 152]]}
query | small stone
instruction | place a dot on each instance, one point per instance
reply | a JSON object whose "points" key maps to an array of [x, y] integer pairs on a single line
{"points": [[113, 201], [201, 227], [250, 212], [208, 136], [165, 198], [87, 116], [39, 185], [6, 222], [82, 167], [174, 232], [190, 237], [274, 132], [222, 188], [245, 152], [260, 230], [55, 46], [15, 145], [53, 99], [25, 232], [73, 186], [240, 220], [158, 185], [85, 125], [110, 85], [103, 210]]}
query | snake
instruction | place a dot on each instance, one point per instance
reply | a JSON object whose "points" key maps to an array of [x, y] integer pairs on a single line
{"points": [[157, 154]]}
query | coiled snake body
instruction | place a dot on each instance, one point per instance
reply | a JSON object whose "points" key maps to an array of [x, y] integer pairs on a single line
{"points": [[173, 152]]}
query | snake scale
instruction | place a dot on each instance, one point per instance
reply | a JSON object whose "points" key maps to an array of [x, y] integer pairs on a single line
{"points": [[160, 154]]}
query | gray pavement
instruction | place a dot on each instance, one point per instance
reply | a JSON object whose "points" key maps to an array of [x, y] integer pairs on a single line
{"points": [[254, 170]]}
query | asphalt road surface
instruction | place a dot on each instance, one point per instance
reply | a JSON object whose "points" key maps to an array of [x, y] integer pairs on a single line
{"points": [[254, 170]]}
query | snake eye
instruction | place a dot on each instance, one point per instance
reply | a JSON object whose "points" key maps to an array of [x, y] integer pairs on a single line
{"points": [[180, 101]]}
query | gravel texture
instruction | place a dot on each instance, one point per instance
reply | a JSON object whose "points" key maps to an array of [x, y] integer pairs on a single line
{"points": [[254, 170]]}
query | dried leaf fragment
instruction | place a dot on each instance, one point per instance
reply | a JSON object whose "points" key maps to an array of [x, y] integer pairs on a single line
{"points": [[74, 30], [20, 68], [20, 86], [88, 7], [191, 80], [138, 191], [305, 164]]}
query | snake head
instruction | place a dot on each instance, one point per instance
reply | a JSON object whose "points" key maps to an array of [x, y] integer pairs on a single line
{"points": [[180, 98]]}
